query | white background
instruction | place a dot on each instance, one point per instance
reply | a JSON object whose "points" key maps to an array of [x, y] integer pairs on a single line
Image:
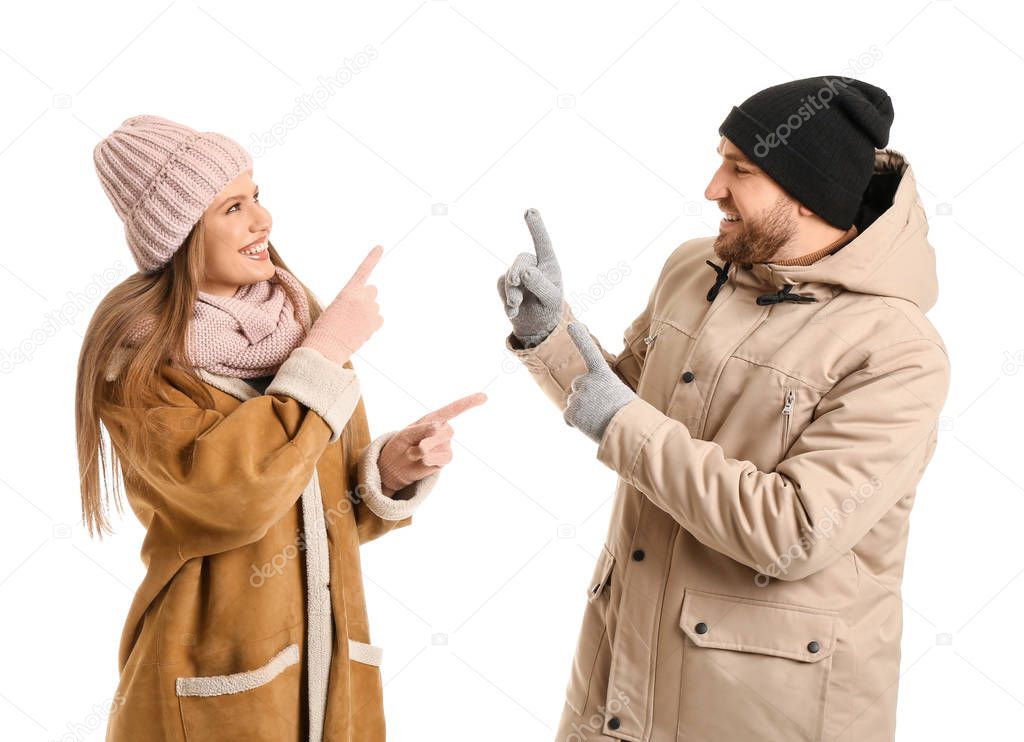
{"points": [[602, 115]]}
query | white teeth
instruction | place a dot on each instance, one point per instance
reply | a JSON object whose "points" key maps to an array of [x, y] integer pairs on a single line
{"points": [[730, 217], [254, 250]]}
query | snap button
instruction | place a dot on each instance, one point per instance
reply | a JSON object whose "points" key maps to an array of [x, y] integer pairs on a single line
{"points": [[813, 647], [701, 628], [638, 555], [688, 376], [614, 723]]}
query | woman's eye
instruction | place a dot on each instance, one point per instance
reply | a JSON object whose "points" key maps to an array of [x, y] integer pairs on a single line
{"points": [[254, 198], [740, 170]]}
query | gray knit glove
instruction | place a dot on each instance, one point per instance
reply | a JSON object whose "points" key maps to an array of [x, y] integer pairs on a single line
{"points": [[597, 395], [531, 288]]}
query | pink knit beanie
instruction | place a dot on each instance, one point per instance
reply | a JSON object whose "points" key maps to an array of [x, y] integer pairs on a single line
{"points": [[161, 176]]}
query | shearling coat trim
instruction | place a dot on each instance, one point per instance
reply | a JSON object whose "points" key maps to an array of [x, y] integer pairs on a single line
{"points": [[320, 384], [232, 385], [365, 653], [319, 630], [237, 682], [405, 501]]}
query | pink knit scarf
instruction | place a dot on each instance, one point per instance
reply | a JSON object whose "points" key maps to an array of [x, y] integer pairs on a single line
{"points": [[251, 333], [246, 335]]}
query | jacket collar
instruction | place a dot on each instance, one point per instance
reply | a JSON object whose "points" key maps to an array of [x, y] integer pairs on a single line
{"points": [[232, 385]]}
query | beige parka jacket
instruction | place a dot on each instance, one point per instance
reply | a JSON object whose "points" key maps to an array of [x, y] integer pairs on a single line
{"points": [[749, 587], [251, 622]]}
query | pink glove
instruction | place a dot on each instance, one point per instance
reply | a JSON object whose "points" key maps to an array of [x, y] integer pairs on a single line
{"points": [[348, 321], [422, 448]]}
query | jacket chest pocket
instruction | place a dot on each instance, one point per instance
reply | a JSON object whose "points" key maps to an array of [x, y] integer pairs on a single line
{"points": [[753, 669], [660, 334], [260, 703], [788, 402], [795, 409], [663, 349]]}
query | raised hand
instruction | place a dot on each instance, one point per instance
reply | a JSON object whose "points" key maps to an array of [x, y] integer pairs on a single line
{"points": [[598, 394], [531, 289], [422, 447], [354, 315]]}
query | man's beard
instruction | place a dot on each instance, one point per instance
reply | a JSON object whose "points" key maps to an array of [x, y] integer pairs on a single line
{"points": [[758, 241]]}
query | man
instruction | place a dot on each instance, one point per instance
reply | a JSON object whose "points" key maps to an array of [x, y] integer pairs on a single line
{"points": [[769, 423]]}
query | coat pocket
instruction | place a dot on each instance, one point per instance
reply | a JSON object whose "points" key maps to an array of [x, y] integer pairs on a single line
{"points": [[593, 633], [256, 704], [366, 690], [366, 654], [753, 669]]}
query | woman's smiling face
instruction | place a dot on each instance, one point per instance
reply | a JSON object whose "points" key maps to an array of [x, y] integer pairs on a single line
{"points": [[235, 221]]}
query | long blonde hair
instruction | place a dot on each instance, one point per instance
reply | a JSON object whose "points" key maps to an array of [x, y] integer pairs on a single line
{"points": [[168, 296]]}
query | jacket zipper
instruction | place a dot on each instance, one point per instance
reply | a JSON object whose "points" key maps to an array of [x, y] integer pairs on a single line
{"points": [[787, 414]]}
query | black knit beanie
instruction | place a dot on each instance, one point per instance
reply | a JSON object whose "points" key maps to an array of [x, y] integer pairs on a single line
{"points": [[816, 138]]}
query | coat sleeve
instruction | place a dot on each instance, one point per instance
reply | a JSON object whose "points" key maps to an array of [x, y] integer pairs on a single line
{"points": [[378, 510], [873, 434], [214, 481], [556, 361]]}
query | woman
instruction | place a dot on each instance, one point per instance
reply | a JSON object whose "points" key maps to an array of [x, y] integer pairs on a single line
{"points": [[236, 420]]}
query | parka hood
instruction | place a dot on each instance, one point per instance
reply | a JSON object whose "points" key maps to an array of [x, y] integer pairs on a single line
{"points": [[890, 256]]}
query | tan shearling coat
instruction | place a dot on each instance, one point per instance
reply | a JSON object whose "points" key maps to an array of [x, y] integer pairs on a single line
{"points": [[251, 623]]}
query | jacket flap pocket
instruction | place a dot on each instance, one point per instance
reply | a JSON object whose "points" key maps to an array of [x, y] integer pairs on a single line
{"points": [[746, 625], [602, 574]]}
